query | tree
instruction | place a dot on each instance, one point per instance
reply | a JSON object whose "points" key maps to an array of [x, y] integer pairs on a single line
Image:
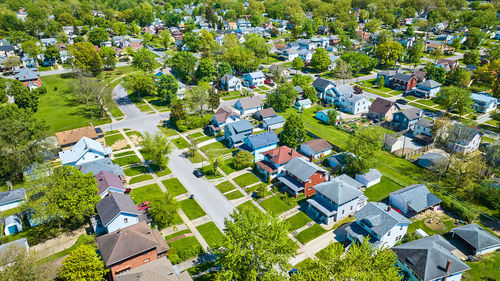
{"points": [[11, 62], [83, 263], [460, 77], [183, 64], [361, 262], [19, 265], [163, 210], [23, 97], [332, 117], [381, 81], [242, 159], [257, 44], [140, 83], [143, 59], [92, 92], [364, 143], [51, 52], [254, 244], [297, 63], [197, 98], [240, 58], [389, 52], [435, 73], [358, 61], [167, 88], [301, 80], [86, 57], [66, 194], [165, 38], [342, 70], [320, 59], [21, 140], [108, 57], [156, 149], [282, 97], [474, 38], [32, 48], [177, 111], [472, 57], [213, 98], [223, 68], [455, 99], [293, 132], [310, 93], [98, 35], [416, 53], [206, 70]]}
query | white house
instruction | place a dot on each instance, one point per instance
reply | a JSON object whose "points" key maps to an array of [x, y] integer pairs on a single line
{"points": [[11, 199], [302, 104], [370, 178], [116, 211], [230, 83], [414, 199], [249, 105], [464, 139], [181, 91], [254, 79], [305, 55], [13, 225], [316, 148], [423, 127], [355, 104], [478, 240], [484, 103], [84, 151], [273, 123]]}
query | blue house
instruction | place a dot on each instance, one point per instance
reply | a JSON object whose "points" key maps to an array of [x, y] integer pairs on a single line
{"points": [[236, 132], [256, 144], [323, 115], [322, 86], [406, 119], [483, 103], [427, 89], [116, 211], [13, 225], [254, 79]]}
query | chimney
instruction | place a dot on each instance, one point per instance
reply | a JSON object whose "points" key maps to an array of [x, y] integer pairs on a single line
{"points": [[102, 177], [389, 208], [448, 266], [80, 168]]}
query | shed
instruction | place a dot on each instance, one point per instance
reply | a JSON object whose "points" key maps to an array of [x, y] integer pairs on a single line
{"points": [[12, 225], [478, 240], [370, 178]]}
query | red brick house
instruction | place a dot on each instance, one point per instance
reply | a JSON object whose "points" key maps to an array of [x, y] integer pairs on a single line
{"points": [[403, 82], [301, 177], [131, 247]]}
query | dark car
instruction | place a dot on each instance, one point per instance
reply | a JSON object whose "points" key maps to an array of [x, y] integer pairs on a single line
{"points": [[197, 173], [401, 101], [143, 205]]}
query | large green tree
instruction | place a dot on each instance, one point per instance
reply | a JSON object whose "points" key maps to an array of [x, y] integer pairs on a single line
{"points": [[167, 88], [257, 44], [156, 149], [416, 53], [98, 35], [293, 132], [20, 265], [389, 52], [320, 59], [83, 263], [183, 64], [435, 73], [140, 83], [197, 98], [282, 97], [143, 59], [206, 70], [364, 143], [23, 97], [108, 57], [86, 58], [455, 99], [358, 61], [163, 210]]}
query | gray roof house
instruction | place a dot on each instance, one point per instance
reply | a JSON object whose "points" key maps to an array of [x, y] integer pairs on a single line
{"points": [[406, 119], [158, 270], [430, 258], [348, 180], [431, 159], [273, 123], [117, 211], [369, 178], [302, 176], [12, 198], [322, 86], [236, 132], [381, 224], [464, 139], [413, 199], [100, 165], [249, 105], [20, 243], [477, 239]]}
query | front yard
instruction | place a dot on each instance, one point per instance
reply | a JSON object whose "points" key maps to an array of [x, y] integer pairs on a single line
{"points": [[174, 187], [246, 179], [146, 193], [211, 233], [191, 209], [274, 205]]}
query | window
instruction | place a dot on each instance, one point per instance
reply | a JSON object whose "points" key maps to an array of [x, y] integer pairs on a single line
{"points": [[146, 260], [125, 220], [398, 238], [401, 228], [343, 212], [388, 234], [351, 208]]}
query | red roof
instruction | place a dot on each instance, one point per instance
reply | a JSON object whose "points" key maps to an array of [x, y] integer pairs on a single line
{"points": [[266, 166], [281, 155]]}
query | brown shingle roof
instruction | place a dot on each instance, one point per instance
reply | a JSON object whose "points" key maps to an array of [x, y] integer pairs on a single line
{"points": [[267, 112], [318, 145], [381, 106], [73, 136], [123, 244], [281, 155]]}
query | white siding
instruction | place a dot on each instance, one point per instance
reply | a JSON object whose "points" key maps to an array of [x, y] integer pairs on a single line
{"points": [[348, 209], [10, 206], [394, 235], [119, 222], [397, 202]]}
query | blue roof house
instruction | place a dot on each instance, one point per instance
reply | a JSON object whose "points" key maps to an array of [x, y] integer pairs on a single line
{"points": [[256, 144], [13, 225], [236, 132], [254, 79], [84, 151], [483, 103], [12, 199]]}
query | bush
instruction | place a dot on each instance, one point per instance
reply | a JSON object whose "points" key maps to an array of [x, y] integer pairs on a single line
{"points": [[242, 160], [191, 122], [457, 208]]}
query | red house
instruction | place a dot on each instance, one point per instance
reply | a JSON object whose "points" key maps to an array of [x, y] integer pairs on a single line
{"points": [[301, 177], [403, 82]]}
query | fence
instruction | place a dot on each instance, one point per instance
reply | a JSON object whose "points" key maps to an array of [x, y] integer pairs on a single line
{"points": [[418, 151]]}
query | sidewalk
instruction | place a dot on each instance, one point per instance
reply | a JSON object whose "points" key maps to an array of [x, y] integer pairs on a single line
{"points": [[58, 244]]}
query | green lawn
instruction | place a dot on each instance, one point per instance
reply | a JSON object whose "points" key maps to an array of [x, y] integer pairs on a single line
{"points": [[382, 189], [485, 269], [411, 98], [133, 133], [180, 143], [426, 102], [274, 205], [126, 153], [183, 249], [82, 240], [215, 149], [168, 131], [209, 172], [234, 195], [159, 172], [146, 193], [248, 205], [370, 90], [10, 212], [202, 139], [297, 221], [127, 160], [174, 186], [211, 233], [196, 158], [140, 179], [310, 233], [246, 179], [191, 209], [135, 170], [224, 187], [177, 234], [60, 110], [227, 166], [112, 139], [195, 135]]}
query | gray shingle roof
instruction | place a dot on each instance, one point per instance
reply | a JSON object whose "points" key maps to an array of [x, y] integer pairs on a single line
{"points": [[337, 191], [101, 165], [402, 77], [250, 102], [426, 123], [112, 205], [375, 216], [463, 134], [263, 139], [322, 83], [302, 169], [476, 236], [345, 90], [348, 181], [411, 113], [428, 257], [106, 179], [26, 74], [239, 126], [429, 84], [12, 196], [274, 120], [20, 243], [417, 197]]}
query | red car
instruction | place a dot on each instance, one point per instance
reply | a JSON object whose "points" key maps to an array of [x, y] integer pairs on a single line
{"points": [[143, 205], [252, 87], [268, 81]]}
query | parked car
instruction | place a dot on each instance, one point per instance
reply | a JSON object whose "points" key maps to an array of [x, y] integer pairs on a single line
{"points": [[401, 101], [143, 205], [197, 173], [253, 87], [268, 81]]}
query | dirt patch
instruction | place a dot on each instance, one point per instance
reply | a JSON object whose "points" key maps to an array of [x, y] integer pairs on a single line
{"points": [[180, 237], [121, 144], [435, 223], [135, 139]]}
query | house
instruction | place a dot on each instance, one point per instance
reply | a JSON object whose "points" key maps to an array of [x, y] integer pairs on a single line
{"points": [[354, 104], [420, 75], [6, 51], [349, 181], [483, 103], [290, 54], [116, 211], [236, 132], [108, 182], [322, 86], [30, 77], [316, 148], [427, 89], [323, 115], [221, 118], [379, 223], [254, 79], [12, 225], [447, 64], [264, 114], [48, 41], [11, 199], [85, 150], [302, 104], [249, 105], [432, 159], [382, 109], [301, 177], [413, 200], [158, 270], [71, 137], [429, 258], [387, 76], [181, 90], [273, 123], [65, 56], [230, 83], [403, 82], [20, 244], [338, 161], [333, 201], [431, 46], [478, 241], [256, 144], [464, 139], [274, 161], [423, 127], [369, 178], [95, 167], [279, 70], [406, 119], [131, 247]]}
